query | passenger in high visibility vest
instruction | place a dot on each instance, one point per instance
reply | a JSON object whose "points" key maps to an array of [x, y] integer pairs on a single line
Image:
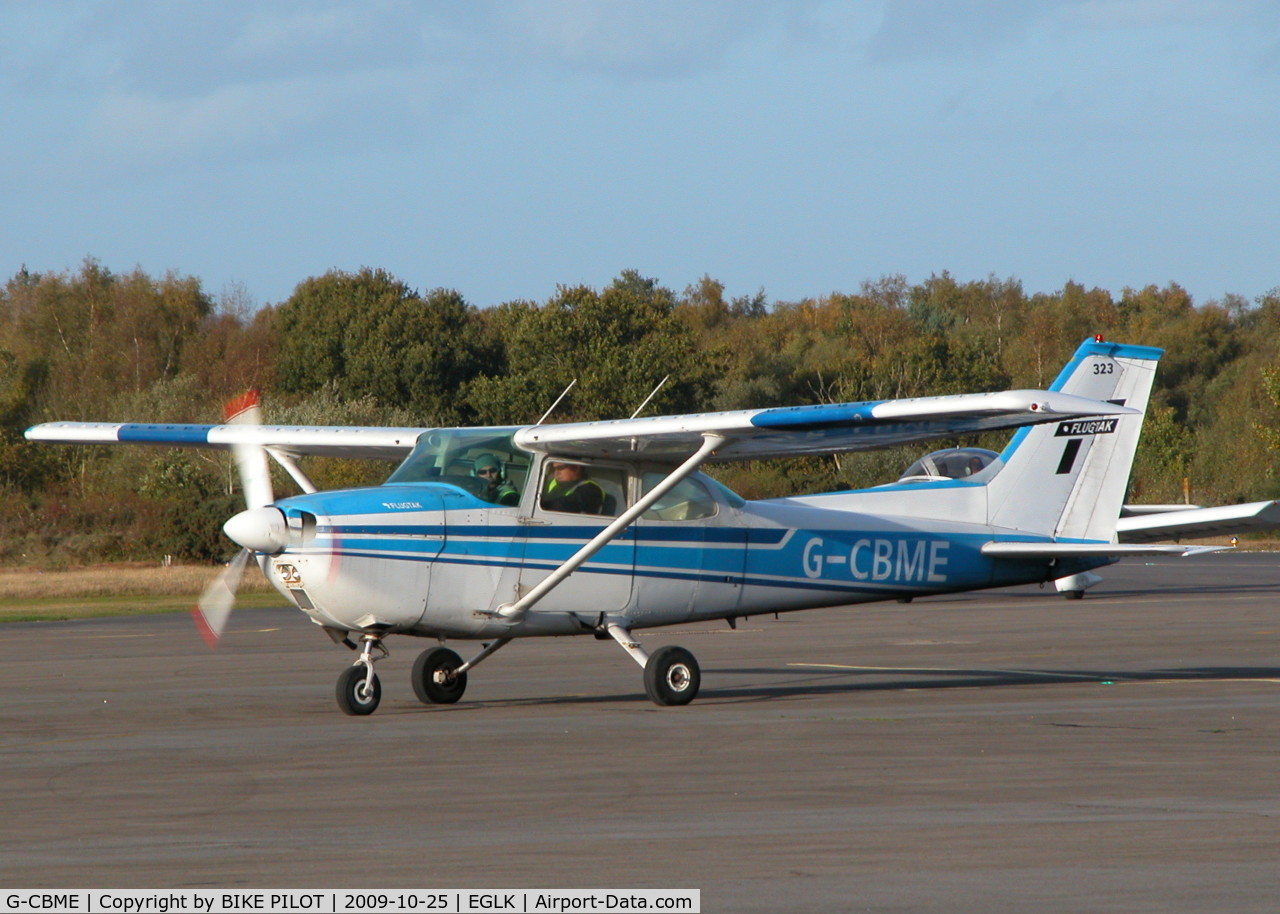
{"points": [[571, 490], [498, 489]]}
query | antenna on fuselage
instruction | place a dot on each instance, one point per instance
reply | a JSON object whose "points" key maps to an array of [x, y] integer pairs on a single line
{"points": [[557, 403], [652, 394]]}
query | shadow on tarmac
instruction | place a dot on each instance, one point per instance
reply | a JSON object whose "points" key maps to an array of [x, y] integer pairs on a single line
{"points": [[899, 679], [889, 679]]}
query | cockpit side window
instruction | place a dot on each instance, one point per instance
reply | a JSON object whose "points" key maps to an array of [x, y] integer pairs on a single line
{"points": [[572, 487]]}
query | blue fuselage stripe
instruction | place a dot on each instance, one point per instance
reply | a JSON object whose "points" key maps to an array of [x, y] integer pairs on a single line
{"points": [[832, 561]]}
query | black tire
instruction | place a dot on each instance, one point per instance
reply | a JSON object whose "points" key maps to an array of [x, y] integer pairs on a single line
{"points": [[425, 686], [672, 677], [352, 698]]}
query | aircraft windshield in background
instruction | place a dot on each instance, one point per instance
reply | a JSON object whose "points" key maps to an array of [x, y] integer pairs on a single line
{"points": [[950, 463], [607, 528]]}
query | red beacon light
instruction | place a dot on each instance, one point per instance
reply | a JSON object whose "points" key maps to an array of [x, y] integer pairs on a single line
{"points": [[1097, 338]]}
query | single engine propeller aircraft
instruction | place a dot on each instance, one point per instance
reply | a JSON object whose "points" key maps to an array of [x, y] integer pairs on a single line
{"points": [[604, 528]]}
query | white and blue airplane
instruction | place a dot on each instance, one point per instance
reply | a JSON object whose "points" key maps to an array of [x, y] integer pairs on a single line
{"points": [[606, 528]]}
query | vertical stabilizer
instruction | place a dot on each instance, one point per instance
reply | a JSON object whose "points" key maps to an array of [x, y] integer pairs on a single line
{"points": [[1067, 479]]}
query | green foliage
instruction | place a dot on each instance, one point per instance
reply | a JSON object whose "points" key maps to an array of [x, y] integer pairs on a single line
{"points": [[364, 348], [326, 406], [19, 468], [376, 337], [618, 344], [1163, 459], [97, 334], [1271, 384]]}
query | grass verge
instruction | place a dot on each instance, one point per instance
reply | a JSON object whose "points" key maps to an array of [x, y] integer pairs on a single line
{"points": [[31, 595]]}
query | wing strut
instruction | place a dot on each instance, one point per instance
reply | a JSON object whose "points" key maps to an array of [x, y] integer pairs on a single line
{"points": [[514, 612], [291, 467]]}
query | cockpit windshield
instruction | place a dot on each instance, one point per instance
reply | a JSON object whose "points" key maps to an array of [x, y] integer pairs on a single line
{"points": [[952, 463], [483, 461]]}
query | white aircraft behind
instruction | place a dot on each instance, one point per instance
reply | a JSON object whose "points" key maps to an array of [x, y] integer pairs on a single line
{"points": [[605, 528], [1136, 524]]}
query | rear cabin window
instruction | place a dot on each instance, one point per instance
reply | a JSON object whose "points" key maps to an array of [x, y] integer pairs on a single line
{"points": [[687, 500]]}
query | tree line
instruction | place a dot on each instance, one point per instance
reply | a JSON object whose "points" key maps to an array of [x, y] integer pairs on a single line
{"points": [[365, 348]]}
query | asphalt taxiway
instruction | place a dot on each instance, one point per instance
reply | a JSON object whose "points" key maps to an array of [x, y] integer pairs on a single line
{"points": [[1001, 751]]}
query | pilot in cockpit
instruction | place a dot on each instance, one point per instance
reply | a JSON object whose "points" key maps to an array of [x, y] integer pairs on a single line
{"points": [[498, 489], [570, 490]]}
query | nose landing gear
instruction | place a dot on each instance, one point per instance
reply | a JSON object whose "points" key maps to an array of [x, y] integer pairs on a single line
{"points": [[358, 690]]}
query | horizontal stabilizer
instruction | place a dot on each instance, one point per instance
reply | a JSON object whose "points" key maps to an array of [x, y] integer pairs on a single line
{"points": [[1136, 510], [1192, 523], [1086, 550]]}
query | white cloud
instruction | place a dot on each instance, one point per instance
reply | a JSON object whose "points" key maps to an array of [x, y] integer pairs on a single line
{"points": [[1149, 13], [342, 112], [630, 38], [317, 38], [948, 29], [131, 124], [186, 82]]}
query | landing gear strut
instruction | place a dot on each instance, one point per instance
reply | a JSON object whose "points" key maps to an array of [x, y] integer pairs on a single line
{"points": [[440, 676], [358, 690], [671, 674]]}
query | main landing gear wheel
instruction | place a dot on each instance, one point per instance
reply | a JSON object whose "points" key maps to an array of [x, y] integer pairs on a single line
{"points": [[671, 676], [355, 694], [434, 681]]}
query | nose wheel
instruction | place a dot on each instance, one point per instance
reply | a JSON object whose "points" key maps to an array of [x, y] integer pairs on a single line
{"points": [[359, 690]]}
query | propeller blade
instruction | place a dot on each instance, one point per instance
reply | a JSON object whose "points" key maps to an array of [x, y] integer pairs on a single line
{"points": [[213, 609], [251, 459]]}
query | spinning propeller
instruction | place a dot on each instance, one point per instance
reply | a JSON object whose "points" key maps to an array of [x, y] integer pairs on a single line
{"points": [[259, 528]]}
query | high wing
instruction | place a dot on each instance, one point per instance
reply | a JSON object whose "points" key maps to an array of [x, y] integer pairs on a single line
{"points": [[1176, 523], [291, 440], [749, 434], [806, 430]]}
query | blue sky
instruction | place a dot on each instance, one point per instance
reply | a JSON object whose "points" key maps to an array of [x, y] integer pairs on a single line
{"points": [[501, 149]]}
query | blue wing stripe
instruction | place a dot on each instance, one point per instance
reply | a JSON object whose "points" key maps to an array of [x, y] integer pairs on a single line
{"points": [[817, 416], [140, 433]]}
